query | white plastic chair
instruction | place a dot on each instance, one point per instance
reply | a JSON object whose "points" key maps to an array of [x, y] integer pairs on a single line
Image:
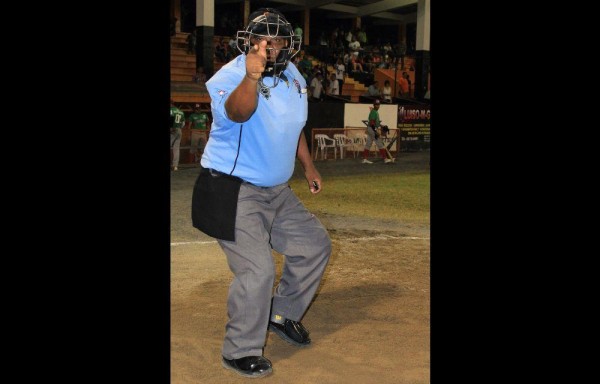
{"points": [[359, 144], [342, 141], [322, 144]]}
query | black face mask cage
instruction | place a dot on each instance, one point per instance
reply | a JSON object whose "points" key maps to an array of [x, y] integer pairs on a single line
{"points": [[270, 23]]}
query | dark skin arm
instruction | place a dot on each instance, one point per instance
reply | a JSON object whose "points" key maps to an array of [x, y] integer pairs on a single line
{"points": [[242, 102], [310, 172]]}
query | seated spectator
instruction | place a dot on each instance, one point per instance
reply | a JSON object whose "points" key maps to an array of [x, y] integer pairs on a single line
{"points": [[374, 90], [385, 63], [387, 92], [355, 63], [367, 63]]}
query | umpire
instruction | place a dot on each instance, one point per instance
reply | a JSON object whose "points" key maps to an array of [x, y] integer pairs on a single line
{"points": [[242, 197]]}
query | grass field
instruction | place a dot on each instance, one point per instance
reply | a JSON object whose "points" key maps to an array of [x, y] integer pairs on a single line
{"points": [[399, 196]]}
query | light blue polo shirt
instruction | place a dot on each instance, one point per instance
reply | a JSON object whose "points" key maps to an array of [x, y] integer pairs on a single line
{"points": [[262, 150]]}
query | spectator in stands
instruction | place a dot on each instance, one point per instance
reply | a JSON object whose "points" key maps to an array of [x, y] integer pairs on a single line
{"points": [[367, 63], [374, 90], [339, 73], [223, 51], [346, 60], [316, 87], [233, 44], [199, 123], [334, 86], [177, 123], [372, 135], [318, 68], [355, 63], [385, 63], [386, 92], [311, 75], [298, 31], [200, 76], [354, 45]]}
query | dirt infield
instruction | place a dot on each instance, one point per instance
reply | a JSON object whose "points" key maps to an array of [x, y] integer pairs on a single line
{"points": [[369, 321]]}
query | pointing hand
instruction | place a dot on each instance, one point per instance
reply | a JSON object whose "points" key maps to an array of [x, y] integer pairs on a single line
{"points": [[256, 59]]}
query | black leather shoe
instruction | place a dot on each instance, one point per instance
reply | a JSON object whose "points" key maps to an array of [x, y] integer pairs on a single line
{"points": [[291, 331], [249, 366]]}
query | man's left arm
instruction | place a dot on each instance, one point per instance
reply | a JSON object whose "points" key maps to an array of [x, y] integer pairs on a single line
{"points": [[310, 172]]}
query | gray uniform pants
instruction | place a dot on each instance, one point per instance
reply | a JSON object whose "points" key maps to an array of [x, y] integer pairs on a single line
{"points": [[371, 138], [175, 141], [270, 218]]}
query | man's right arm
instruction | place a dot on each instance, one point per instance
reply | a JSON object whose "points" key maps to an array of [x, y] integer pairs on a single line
{"points": [[242, 102]]}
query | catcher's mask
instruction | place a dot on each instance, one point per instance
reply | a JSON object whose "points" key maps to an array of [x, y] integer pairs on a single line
{"points": [[268, 22]]}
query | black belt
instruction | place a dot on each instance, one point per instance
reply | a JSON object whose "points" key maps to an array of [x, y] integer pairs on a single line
{"points": [[215, 173]]}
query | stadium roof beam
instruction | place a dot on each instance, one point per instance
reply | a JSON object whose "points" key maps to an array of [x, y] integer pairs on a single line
{"points": [[382, 6], [378, 9]]}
